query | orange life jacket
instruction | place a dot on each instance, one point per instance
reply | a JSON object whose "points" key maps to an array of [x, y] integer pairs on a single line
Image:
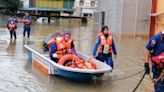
{"points": [[64, 59], [61, 49], [68, 43], [77, 62], [104, 41], [26, 21]]}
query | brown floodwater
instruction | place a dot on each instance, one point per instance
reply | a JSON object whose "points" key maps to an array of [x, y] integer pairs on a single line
{"points": [[18, 75]]}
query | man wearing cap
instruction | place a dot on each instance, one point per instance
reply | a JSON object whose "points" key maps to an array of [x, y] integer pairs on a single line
{"points": [[155, 48]]}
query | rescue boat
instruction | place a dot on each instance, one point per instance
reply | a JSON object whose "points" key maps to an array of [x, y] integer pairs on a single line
{"points": [[41, 60]]}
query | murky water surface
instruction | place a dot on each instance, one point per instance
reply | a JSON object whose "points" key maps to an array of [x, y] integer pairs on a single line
{"points": [[18, 75]]}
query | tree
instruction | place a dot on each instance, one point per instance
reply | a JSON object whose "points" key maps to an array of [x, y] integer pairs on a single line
{"points": [[11, 5]]}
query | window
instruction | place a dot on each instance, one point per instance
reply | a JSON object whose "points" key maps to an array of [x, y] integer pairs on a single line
{"points": [[81, 3], [93, 3]]}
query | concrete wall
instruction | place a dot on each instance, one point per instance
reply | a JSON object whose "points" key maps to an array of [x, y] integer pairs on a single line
{"points": [[160, 6], [143, 17], [126, 16], [25, 3], [159, 22], [129, 16], [113, 12]]}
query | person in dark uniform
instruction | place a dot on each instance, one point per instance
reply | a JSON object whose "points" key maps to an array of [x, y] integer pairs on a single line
{"points": [[155, 48]]}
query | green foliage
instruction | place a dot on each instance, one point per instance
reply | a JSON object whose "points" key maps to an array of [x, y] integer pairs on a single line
{"points": [[12, 5]]}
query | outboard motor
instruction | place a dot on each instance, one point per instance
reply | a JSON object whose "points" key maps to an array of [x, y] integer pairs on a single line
{"points": [[45, 42]]}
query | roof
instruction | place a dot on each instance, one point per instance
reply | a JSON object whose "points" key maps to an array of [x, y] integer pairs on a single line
{"points": [[47, 9]]}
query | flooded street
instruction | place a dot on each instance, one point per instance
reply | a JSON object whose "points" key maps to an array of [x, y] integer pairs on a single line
{"points": [[18, 75]]}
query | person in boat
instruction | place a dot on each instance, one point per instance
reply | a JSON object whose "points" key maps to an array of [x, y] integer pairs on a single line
{"points": [[69, 43], [47, 42], [61, 46], [155, 52], [56, 36], [105, 45]]}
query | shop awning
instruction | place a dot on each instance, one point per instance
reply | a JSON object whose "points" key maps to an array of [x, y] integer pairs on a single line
{"points": [[156, 14], [47, 9]]}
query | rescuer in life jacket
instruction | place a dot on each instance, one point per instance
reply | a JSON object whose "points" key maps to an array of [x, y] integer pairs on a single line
{"points": [[12, 29], [105, 45], [61, 46], [50, 42], [155, 52], [69, 43]]}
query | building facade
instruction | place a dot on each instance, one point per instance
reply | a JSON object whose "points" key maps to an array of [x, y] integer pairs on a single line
{"points": [[54, 3], [130, 17], [25, 3], [84, 7], [48, 8], [48, 3]]}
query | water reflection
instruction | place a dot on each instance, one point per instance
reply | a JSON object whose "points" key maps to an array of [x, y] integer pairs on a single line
{"points": [[11, 47]]}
